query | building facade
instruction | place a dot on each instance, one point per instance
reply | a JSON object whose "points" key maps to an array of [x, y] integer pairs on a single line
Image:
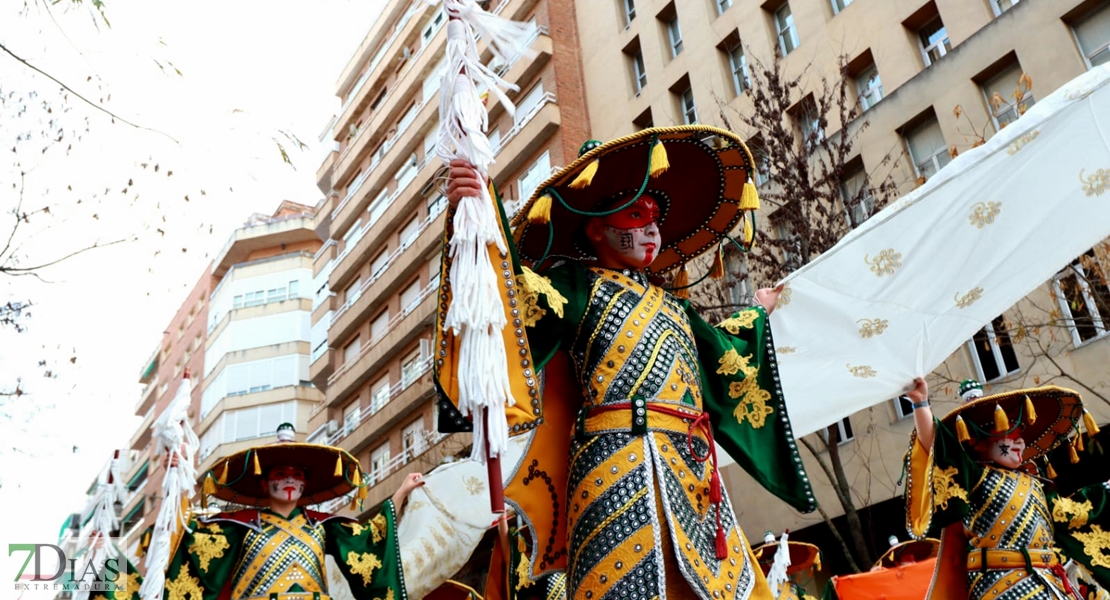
{"points": [[383, 216], [910, 64]]}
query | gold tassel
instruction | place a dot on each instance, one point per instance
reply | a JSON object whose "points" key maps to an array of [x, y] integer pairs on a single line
{"points": [[209, 485], [718, 270], [223, 475], [1050, 471], [749, 198], [338, 466], [1079, 442], [1089, 423], [681, 280], [357, 479], [817, 562], [540, 213], [362, 493], [1001, 421], [586, 177], [257, 467], [1030, 411], [749, 233], [354, 504], [961, 430], [659, 162], [1072, 454]]}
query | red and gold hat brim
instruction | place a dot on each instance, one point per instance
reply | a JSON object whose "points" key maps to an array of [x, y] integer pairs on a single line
{"points": [[918, 550], [803, 555], [330, 473], [1057, 414], [700, 194]]}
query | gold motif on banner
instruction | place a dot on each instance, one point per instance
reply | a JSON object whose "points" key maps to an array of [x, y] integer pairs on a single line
{"points": [[732, 363], [972, 296], [1097, 183], [983, 213], [529, 286], [184, 586], [1078, 511], [945, 488], [356, 528], [474, 485], [872, 327], [786, 350], [522, 578], [753, 407], [1023, 141], [388, 595], [129, 589], [885, 263], [206, 547], [363, 564], [861, 371], [742, 320], [1096, 544], [378, 527], [784, 297]]}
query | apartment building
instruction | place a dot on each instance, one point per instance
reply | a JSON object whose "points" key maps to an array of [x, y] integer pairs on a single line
{"points": [[911, 62], [376, 275]]}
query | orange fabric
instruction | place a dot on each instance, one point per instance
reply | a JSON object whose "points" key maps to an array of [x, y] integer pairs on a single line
{"points": [[497, 582], [898, 583], [950, 575]]}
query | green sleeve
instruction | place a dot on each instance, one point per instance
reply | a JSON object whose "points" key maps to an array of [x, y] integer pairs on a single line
{"points": [[1082, 528], [368, 555], [740, 387], [204, 561]]}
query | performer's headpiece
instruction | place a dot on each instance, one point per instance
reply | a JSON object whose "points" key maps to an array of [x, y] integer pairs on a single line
{"points": [[970, 389]]}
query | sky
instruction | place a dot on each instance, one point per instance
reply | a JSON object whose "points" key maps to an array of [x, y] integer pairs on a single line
{"points": [[203, 161]]}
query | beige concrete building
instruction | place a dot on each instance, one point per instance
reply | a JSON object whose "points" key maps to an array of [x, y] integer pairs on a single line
{"points": [[658, 62], [382, 218]]}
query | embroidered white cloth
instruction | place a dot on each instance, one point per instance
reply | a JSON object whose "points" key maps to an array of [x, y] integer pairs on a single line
{"points": [[903, 291]]}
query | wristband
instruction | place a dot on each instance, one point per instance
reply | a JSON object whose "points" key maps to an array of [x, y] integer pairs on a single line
{"points": [[922, 404]]}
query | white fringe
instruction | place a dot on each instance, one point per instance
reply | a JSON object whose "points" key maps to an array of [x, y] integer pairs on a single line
{"points": [[776, 576], [104, 521], [477, 315], [173, 436]]}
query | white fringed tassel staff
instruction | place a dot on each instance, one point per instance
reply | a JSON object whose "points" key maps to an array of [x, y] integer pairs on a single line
{"points": [[110, 490], [777, 575], [476, 315], [175, 438]]}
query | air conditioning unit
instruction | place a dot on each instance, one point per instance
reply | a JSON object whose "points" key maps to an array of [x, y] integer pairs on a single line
{"points": [[352, 131], [333, 427], [406, 53]]}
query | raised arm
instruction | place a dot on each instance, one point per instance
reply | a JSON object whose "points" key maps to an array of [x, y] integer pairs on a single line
{"points": [[922, 414], [410, 483]]}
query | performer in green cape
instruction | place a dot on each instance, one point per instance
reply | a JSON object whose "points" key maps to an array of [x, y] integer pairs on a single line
{"points": [[629, 391]]}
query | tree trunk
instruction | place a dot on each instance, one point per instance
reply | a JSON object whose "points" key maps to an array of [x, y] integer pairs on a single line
{"points": [[855, 528]]}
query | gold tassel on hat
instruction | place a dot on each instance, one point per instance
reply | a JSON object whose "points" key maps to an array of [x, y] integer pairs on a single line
{"points": [[1050, 471], [257, 467], [749, 233], [749, 198], [1072, 454], [817, 561], [659, 162], [1001, 421], [1079, 442], [357, 479], [681, 280], [1030, 412], [354, 504], [209, 485], [540, 213], [586, 177], [961, 430], [1089, 423], [718, 269], [338, 466], [223, 474], [362, 493]]}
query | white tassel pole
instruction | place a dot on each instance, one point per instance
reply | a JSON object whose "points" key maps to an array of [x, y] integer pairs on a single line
{"points": [[173, 437], [777, 576], [110, 492]]}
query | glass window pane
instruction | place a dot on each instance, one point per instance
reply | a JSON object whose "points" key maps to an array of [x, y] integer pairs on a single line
{"points": [[1094, 33]]}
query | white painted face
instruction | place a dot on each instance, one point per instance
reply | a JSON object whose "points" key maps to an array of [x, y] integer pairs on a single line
{"points": [[1006, 452], [286, 484], [637, 247]]}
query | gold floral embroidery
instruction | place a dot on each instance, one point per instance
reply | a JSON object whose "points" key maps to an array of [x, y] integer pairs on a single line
{"points": [[206, 547], [1097, 183], [1096, 544], [522, 578], [184, 585], [1022, 142], [378, 527], [753, 406], [786, 349], [885, 263], [983, 213], [861, 371], [872, 327], [388, 595], [784, 297], [973, 295], [363, 564], [732, 363], [358, 528], [529, 286], [944, 488], [474, 485], [1062, 507], [130, 588], [745, 319]]}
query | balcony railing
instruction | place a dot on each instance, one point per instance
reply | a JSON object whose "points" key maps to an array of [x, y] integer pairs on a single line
{"points": [[548, 98], [397, 29], [395, 390]]}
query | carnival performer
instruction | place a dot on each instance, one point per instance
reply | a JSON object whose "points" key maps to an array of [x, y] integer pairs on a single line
{"points": [[627, 388], [980, 475], [275, 549]]}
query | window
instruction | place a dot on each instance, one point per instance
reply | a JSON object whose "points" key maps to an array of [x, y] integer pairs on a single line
{"points": [[431, 139], [1008, 96], [377, 207], [294, 289], [410, 369], [350, 351], [762, 162], [927, 147], [839, 5], [351, 416], [903, 407], [639, 75], [792, 250], [353, 291], [254, 298], [870, 87], [784, 27], [436, 205], [1084, 297], [674, 35], [735, 61], [808, 121], [378, 265], [412, 439], [256, 421], [722, 5], [1001, 6], [432, 27], [379, 326], [534, 176], [379, 462], [629, 11], [844, 433], [1093, 35], [993, 352], [237, 302], [934, 41], [410, 231], [410, 297], [686, 103], [407, 173], [275, 294], [856, 193], [379, 394], [528, 104], [643, 121], [494, 138]]}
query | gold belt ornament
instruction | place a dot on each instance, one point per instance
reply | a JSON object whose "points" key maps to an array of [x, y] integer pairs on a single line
{"points": [[1044, 558]]}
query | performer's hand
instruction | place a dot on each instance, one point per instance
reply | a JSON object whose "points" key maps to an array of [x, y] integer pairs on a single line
{"points": [[171, 459], [463, 181], [920, 390], [768, 298], [410, 483]]}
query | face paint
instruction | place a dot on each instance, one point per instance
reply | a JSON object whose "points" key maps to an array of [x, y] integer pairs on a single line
{"points": [[1006, 451], [635, 248], [642, 212], [286, 484]]}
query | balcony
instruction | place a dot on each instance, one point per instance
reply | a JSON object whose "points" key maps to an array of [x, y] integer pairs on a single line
{"points": [[395, 471], [148, 396], [377, 290], [521, 142], [403, 402], [292, 229], [322, 368], [141, 438]]}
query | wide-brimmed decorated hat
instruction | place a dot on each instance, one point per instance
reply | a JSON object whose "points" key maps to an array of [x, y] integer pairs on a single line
{"points": [[1044, 416], [803, 555], [330, 472], [700, 177], [917, 550]]}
